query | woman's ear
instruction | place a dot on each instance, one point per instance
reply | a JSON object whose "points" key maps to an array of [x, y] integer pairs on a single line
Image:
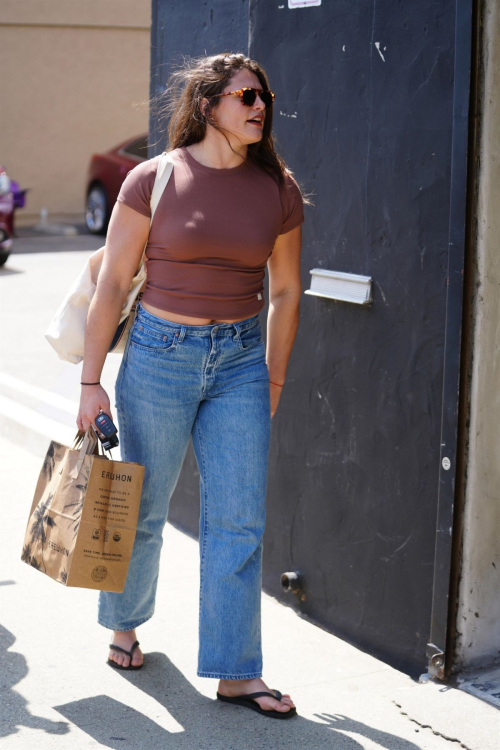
{"points": [[203, 106]]}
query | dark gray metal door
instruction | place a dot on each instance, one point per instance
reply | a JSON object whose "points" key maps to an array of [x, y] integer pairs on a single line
{"points": [[371, 114]]}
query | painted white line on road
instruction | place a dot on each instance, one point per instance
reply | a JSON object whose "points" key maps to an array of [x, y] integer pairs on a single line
{"points": [[48, 397], [33, 420]]}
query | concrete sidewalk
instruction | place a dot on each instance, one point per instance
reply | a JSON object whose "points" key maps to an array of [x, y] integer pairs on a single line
{"points": [[58, 692]]}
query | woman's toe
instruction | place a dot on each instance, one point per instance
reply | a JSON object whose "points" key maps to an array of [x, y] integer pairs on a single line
{"points": [[118, 658], [285, 698]]}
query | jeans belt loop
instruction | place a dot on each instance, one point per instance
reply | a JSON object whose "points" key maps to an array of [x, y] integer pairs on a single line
{"points": [[236, 325]]}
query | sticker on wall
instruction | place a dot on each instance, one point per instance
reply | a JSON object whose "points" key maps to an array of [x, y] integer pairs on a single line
{"points": [[302, 3]]}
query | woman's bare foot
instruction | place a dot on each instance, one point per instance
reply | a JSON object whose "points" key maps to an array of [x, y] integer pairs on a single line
{"points": [[125, 639], [230, 688]]}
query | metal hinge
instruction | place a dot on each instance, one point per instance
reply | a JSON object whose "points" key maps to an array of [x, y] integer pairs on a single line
{"points": [[436, 661]]}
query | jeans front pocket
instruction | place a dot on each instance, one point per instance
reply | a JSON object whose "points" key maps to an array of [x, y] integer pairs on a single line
{"points": [[250, 337], [153, 340]]}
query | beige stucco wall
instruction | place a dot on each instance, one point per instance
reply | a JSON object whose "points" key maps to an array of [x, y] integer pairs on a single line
{"points": [[73, 73], [478, 620]]}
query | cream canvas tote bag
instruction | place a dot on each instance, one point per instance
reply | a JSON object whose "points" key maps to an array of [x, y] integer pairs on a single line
{"points": [[66, 332]]}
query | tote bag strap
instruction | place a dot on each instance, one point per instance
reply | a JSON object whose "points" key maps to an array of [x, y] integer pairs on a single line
{"points": [[163, 172]]}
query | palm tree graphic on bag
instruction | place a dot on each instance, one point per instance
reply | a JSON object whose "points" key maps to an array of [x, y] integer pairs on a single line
{"points": [[49, 461], [46, 514], [77, 504], [42, 519], [26, 554]]}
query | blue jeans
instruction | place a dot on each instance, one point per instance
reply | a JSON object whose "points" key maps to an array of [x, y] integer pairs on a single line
{"points": [[210, 382]]}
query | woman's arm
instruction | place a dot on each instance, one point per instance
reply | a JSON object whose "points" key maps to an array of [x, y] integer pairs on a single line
{"points": [[127, 234], [284, 305]]}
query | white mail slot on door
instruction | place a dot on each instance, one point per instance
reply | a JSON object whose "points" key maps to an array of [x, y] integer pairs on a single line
{"points": [[347, 287]]}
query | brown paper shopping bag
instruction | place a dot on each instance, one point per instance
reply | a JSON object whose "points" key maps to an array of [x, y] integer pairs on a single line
{"points": [[83, 517]]}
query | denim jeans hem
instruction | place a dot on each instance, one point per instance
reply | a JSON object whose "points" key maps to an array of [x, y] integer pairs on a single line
{"points": [[124, 630], [221, 676]]}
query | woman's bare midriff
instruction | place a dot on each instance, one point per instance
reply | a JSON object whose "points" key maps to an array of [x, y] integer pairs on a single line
{"points": [[175, 318]]}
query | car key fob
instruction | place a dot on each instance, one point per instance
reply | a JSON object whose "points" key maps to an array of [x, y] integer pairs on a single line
{"points": [[106, 431]]}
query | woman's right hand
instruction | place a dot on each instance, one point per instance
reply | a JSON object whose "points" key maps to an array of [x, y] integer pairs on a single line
{"points": [[93, 398]]}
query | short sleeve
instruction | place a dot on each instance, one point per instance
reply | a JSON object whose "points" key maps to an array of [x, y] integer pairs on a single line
{"points": [[138, 185], [292, 205]]}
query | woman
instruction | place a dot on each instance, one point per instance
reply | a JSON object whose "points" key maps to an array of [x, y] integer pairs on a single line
{"points": [[195, 363]]}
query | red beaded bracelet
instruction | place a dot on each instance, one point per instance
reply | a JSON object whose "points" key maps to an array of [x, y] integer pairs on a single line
{"points": [[280, 384]]}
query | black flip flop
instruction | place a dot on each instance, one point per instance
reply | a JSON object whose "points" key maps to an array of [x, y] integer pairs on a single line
{"points": [[246, 700], [129, 653]]}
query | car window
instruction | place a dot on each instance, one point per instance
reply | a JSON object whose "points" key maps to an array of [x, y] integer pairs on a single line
{"points": [[138, 148]]}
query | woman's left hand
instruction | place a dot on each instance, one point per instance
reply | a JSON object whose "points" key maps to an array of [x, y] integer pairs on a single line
{"points": [[275, 393]]}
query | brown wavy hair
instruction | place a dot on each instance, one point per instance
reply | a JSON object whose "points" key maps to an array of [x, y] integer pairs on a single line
{"points": [[199, 77]]}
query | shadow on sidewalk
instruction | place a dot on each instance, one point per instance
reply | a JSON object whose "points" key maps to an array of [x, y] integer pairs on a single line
{"points": [[14, 711], [207, 723]]}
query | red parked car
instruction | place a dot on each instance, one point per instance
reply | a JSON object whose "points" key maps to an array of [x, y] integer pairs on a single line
{"points": [[105, 176], [11, 197]]}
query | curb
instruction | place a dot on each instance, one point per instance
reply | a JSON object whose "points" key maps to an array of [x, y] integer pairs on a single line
{"points": [[66, 230], [29, 429], [32, 428]]}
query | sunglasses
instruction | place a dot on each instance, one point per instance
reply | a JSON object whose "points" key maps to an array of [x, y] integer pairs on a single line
{"points": [[249, 95]]}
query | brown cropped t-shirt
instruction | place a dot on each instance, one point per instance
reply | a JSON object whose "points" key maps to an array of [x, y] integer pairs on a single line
{"points": [[212, 234]]}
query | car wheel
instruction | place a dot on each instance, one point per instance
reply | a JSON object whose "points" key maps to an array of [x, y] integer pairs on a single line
{"points": [[96, 210], [3, 257]]}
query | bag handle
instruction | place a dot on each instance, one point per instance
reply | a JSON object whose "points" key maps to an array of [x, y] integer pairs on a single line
{"points": [[78, 440], [88, 441], [81, 437]]}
